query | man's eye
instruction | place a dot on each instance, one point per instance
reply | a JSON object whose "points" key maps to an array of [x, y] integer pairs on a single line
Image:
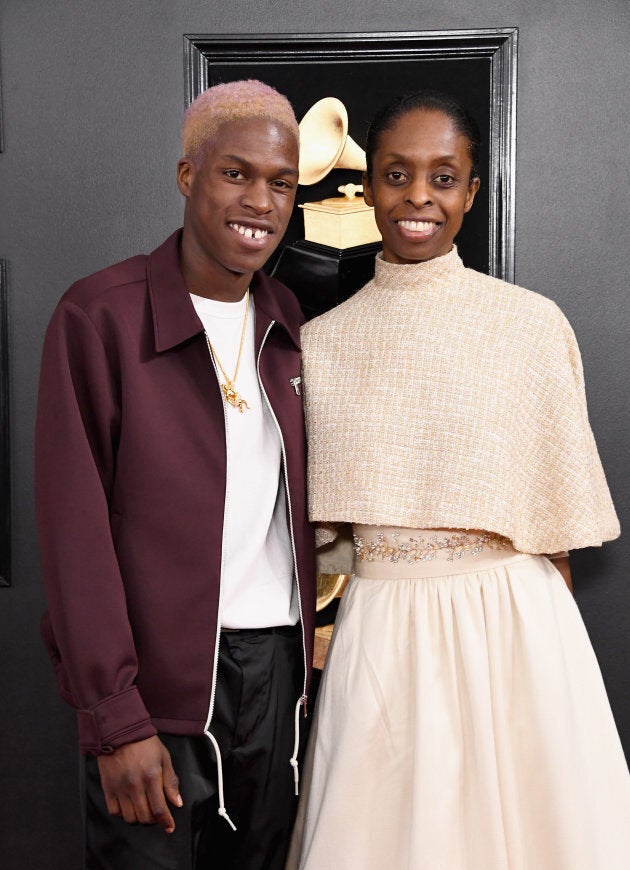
{"points": [[234, 173]]}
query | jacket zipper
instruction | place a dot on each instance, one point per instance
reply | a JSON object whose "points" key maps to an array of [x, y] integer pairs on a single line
{"points": [[303, 699], [207, 732]]}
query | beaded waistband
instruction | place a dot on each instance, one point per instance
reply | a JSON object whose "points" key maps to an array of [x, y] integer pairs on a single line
{"points": [[423, 545]]}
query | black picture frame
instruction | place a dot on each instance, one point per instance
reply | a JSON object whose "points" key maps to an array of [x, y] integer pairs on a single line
{"points": [[1, 118], [479, 67], [5, 466]]}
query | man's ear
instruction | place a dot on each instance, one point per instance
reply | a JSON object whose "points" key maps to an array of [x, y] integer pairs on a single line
{"points": [[185, 175], [367, 189]]}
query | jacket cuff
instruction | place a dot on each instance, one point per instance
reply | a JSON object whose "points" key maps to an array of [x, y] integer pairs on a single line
{"points": [[116, 720]]}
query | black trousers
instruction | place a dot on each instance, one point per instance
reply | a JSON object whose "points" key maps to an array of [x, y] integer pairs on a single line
{"points": [[259, 681]]}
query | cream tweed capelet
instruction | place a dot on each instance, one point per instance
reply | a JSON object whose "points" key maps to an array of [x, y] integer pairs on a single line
{"points": [[439, 397]]}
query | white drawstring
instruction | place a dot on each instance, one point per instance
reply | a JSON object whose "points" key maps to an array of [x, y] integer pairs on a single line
{"points": [[217, 752], [296, 745], [293, 762]]}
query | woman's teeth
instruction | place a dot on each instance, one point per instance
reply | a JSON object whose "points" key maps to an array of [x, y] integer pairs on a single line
{"points": [[417, 226]]}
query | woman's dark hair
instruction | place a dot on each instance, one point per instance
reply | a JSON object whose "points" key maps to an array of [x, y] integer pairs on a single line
{"points": [[429, 100]]}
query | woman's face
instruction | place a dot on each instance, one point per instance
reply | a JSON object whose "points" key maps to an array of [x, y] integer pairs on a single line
{"points": [[420, 186]]}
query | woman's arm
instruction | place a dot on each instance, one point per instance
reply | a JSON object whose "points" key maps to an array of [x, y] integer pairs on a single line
{"points": [[561, 561]]}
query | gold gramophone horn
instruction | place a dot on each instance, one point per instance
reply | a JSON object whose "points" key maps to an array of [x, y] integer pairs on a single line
{"points": [[324, 142]]}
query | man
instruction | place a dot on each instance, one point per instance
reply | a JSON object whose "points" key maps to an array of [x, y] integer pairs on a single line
{"points": [[176, 552]]}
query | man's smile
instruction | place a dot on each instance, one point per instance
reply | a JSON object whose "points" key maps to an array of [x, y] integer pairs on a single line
{"points": [[250, 232]]}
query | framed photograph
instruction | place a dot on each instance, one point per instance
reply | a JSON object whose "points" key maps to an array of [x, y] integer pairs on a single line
{"points": [[5, 469], [367, 70]]}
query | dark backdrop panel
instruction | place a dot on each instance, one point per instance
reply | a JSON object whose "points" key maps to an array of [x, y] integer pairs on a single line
{"points": [[363, 87]]}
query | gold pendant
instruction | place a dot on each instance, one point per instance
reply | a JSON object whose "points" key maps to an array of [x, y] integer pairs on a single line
{"points": [[233, 398]]}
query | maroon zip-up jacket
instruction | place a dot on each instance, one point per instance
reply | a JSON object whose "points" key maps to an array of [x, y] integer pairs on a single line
{"points": [[130, 483]]}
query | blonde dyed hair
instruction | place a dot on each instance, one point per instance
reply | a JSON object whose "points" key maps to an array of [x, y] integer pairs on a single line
{"points": [[233, 101]]}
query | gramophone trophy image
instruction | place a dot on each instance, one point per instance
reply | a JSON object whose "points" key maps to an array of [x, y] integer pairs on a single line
{"points": [[341, 238]]}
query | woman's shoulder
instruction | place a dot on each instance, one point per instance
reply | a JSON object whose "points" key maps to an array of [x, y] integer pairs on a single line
{"points": [[531, 306], [342, 316], [508, 306]]}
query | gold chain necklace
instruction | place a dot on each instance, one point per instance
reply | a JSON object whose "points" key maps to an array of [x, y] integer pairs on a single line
{"points": [[231, 396]]}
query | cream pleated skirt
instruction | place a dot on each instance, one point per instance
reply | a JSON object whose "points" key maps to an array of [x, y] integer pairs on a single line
{"points": [[462, 724]]}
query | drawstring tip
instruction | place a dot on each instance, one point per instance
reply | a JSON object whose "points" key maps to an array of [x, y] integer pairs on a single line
{"points": [[296, 745], [224, 815], [296, 775], [222, 811]]}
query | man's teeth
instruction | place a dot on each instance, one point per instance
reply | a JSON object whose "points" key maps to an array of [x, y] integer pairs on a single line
{"points": [[250, 232], [417, 226]]}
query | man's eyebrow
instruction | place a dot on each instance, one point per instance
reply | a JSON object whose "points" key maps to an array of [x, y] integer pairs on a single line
{"points": [[283, 170], [234, 157]]}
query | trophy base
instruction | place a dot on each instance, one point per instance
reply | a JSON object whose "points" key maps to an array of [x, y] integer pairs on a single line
{"points": [[322, 277], [340, 222]]}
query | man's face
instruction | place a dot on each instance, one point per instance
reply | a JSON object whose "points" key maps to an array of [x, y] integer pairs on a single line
{"points": [[239, 197]]}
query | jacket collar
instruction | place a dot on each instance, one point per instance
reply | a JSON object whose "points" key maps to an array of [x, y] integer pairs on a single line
{"points": [[174, 317]]}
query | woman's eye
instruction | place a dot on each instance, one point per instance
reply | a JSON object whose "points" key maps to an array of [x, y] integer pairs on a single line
{"points": [[396, 176], [445, 179]]}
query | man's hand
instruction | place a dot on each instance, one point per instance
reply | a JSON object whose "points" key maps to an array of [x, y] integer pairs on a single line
{"points": [[136, 778]]}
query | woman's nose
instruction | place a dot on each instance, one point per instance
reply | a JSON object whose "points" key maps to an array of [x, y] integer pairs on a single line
{"points": [[419, 192]]}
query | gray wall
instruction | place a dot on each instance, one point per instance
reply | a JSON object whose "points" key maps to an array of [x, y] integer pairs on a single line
{"points": [[93, 97]]}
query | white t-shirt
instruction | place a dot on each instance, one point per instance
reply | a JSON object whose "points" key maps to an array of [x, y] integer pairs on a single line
{"points": [[257, 588]]}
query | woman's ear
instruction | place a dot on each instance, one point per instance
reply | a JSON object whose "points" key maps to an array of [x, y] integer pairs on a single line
{"points": [[473, 187], [367, 189]]}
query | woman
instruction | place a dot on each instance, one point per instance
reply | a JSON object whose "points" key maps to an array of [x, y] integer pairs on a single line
{"points": [[462, 720]]}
